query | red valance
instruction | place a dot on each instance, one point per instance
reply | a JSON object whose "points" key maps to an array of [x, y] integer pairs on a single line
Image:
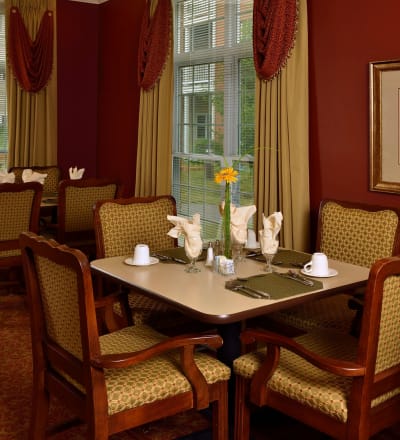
{"points": [[31, 61], [154, 43], [274, 29]]}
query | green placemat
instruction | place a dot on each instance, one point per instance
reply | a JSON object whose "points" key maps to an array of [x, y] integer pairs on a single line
{"points": [[279, 287], [287, 258], [178, 252]]}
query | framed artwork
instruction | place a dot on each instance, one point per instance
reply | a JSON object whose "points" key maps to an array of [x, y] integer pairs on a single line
{"points": [[385, 126]]}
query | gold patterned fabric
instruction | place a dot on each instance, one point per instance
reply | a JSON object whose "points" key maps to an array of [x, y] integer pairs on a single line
{"points": [[326, 392], [79, 205], [154, 379], [124, 226], [15, 214], [50, 182], [299, 380], [57, 283], [352, 235], [357, 236]]}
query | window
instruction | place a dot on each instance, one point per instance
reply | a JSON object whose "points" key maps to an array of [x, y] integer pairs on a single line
{"points": [[214, 105], [3, 94]]}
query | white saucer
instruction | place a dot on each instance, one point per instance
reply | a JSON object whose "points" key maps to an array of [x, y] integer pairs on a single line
{"points": [[130, 262], [331, 273]]}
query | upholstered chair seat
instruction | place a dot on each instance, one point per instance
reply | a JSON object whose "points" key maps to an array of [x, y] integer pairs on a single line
{"points": [[345, 386], [119, 380]]}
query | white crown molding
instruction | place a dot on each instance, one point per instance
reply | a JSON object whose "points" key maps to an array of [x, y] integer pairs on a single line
{"points": [[93, 2]]}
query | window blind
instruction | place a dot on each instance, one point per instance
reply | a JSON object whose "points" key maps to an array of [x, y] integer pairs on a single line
{"points": [[214, 105]]}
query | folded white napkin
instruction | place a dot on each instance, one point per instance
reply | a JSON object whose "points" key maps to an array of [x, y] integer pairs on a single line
{"points": [[76, 174], [6, 177], [272, 225], [29, 175], [190, 229], [239, 219]]}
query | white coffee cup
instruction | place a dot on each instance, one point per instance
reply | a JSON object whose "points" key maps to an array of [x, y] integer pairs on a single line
{"points": [[318, 265], [141, 255]]}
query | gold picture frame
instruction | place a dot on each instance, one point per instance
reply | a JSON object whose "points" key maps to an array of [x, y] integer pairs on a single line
{"points": [[385, 126]]}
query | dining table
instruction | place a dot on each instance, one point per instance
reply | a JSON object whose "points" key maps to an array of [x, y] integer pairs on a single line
{"points": [[211, 297]]}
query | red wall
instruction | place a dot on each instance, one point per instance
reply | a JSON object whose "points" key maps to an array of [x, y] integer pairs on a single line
{"points": [[99, 97], [77, 72], [119, 93], [344, 37]]}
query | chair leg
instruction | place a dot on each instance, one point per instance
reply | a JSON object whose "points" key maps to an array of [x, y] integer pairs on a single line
{"points": [[40, 410], [242, 410], [220, 428]]}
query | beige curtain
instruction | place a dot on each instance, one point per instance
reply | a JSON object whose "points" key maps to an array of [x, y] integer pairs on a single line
{"points": [[281, 156], [154, 150], [32, 117]]}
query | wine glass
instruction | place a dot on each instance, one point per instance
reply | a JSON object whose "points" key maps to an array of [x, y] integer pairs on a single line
{"points": [[269, 250], [193, 249]]}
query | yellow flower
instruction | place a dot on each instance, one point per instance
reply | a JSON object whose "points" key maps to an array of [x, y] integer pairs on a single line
{"points": [[228, 175]]}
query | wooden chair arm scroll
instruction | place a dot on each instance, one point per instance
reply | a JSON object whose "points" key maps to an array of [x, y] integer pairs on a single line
{"points": [[186, 344], [274, 343]]}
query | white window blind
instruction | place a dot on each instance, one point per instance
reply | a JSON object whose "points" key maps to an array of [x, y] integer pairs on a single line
{"points": [[3, 93], [214, 105]]}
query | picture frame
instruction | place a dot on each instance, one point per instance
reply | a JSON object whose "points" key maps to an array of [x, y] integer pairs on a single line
{"points": [[385, 126]]}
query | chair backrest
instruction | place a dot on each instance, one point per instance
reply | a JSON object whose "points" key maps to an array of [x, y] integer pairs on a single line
{"points": [[379, 348], [19, 212], [61, 302], [50, 185], [76, 200], [120, 224], [358, 233]]}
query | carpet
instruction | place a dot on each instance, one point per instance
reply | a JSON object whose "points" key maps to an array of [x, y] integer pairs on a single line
{"points": [[16, 386]]}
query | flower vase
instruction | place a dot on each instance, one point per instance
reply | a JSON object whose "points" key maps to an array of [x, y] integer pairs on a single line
{"points": [[226, 222]]}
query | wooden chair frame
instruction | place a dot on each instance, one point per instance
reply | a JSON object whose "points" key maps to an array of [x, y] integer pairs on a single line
{"points": [[362, 420], [52, 363]]}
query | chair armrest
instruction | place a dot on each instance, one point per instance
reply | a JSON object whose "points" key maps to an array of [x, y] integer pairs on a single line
{"points": [[274, 342], [332, 365], [186, 344], [122, 360]]}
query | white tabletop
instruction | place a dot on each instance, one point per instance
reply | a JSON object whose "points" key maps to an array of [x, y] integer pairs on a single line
{"points": [[203, 295]]}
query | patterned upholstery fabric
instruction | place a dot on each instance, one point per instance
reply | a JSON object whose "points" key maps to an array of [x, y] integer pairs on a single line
{"points": [[79, 205], [15, 214], [326, 392], [154, 379], [124, 226], [137, 223], [51, 181], [355, 236], [61, 310]]}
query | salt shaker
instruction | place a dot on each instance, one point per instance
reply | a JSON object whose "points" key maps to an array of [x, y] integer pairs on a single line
{"points": [[210, 255]]}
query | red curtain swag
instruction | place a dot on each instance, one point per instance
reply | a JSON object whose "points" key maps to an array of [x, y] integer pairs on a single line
{"points": [[274, 29], [154, 43], [31, 61]]}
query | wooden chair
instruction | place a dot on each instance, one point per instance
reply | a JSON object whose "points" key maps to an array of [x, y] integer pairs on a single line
{"points": [[354, 233], [116, 381], [119, 225], [19, 211], [76, 199], [346, 387], [50, 185]]}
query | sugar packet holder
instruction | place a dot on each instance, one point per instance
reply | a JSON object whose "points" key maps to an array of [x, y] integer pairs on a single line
{"points": [[223, 265]]}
